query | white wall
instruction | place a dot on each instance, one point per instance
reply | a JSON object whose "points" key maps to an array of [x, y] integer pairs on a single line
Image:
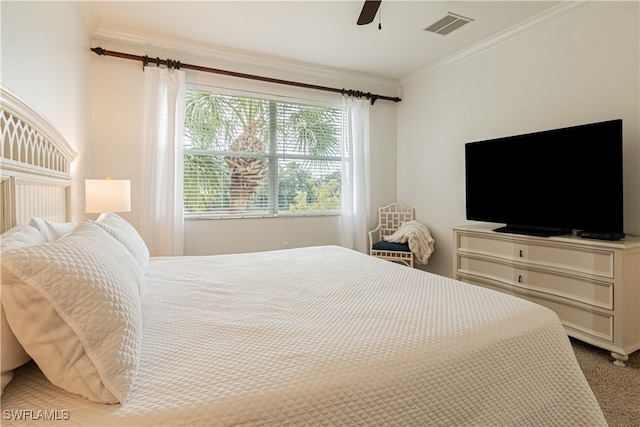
{"points": [[116, 129], [571, 71], [45, 61], [579, 69]]}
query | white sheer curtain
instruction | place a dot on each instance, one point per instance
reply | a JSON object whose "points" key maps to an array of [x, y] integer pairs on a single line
{"points": [[354, 224], [161, 224]]}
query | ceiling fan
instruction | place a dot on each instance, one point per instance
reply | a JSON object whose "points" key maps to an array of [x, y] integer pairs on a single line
{"points": [[369, 10]]}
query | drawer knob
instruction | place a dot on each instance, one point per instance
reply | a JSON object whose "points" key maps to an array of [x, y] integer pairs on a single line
{"points": [[520, 253]]}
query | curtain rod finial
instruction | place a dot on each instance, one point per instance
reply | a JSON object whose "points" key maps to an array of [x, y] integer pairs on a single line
{"points": [[98, 50]]}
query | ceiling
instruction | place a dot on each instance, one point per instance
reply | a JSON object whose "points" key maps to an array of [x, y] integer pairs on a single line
{"points": [[322, 33]]}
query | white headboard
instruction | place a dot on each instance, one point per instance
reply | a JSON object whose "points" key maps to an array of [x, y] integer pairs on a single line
{"points": [[34, 165]]}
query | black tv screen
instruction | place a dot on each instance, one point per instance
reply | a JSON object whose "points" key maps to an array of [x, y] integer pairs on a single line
{"points": [[549, 183]]}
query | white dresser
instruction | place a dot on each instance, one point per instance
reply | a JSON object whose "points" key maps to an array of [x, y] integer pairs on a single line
{"points": [[593, 285]]}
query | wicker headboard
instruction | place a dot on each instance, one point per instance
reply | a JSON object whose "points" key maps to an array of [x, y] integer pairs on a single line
{"points": [[34, 166]]}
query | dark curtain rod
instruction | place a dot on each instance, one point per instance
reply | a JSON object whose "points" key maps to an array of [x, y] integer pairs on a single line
{"points": [[178, 65]]}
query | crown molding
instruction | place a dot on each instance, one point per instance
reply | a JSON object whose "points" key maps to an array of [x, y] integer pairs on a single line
{"points": [[554, 13], [242, 61]]}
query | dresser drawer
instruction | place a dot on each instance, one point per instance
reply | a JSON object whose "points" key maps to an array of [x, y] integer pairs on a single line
{"points": [[593, 292], [591, 322], [557, 257], [592, 285]]}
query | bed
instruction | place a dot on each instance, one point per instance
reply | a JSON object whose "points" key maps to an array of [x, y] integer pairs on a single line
{"points": [[308, 336]]}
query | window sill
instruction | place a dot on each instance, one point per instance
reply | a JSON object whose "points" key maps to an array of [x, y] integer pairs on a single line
{"points": [[261, 216]]}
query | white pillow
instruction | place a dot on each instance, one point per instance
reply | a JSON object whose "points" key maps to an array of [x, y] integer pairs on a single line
{"points": [[50, 229], [21, 236], [126, 234], [74, 305], [13, 355]]}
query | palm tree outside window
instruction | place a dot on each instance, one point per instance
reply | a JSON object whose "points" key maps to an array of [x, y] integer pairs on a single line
{"points": [[246, 157]]}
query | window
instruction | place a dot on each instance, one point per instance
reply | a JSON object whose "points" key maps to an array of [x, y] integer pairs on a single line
{"points": [[257, 157]]}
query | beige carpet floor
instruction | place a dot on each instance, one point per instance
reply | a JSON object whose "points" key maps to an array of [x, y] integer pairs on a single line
{"points": [[616, 388]]}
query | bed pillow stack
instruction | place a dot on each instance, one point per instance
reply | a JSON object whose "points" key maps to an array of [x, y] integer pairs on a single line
{"points": [[13, 354], [20, 237], [52, 230], [124, 232], [75, 306]]}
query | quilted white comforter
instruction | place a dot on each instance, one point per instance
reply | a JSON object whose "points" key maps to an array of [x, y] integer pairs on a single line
{"points": [[328, 336]]}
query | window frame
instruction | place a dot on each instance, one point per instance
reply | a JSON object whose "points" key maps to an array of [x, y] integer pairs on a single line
{"points": [[273, 211]]}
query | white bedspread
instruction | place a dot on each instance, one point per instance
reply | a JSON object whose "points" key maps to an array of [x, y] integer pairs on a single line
{"points": [[328, 336]]}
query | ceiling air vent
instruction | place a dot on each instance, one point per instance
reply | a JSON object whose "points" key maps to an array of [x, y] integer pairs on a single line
{"points": [[447, 24]]}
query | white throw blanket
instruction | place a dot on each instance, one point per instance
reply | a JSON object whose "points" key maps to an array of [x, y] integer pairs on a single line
{"points": [[420, 241]]}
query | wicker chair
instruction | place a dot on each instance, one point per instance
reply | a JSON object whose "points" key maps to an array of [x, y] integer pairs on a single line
{"points": [[390, 218]]}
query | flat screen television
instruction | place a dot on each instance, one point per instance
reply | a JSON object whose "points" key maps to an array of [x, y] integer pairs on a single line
{"points": [[550, 182]]}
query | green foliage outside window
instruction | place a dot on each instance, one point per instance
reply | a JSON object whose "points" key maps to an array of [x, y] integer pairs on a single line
{"points": [[248, 156]]}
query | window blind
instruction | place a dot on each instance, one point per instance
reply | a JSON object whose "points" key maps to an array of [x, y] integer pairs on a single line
{"points": [[247, 157]]}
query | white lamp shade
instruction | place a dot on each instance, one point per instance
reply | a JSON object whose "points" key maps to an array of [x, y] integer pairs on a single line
{"points": [[107, 195]]}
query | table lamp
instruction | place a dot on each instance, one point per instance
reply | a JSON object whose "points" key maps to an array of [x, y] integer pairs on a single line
{"points": [[107, 195]]}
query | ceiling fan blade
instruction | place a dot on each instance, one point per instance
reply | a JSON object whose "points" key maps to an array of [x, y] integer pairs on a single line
{"points": [[369, 11]]}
